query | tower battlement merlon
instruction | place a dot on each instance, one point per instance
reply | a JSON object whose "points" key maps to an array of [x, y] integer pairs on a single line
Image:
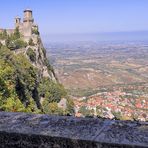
{"points": [[17, 21]]}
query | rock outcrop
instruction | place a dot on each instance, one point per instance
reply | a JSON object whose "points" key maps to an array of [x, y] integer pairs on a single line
{"points": [[33, 82]]}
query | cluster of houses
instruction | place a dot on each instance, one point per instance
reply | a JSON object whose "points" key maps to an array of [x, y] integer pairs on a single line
{"points": [[115, 104]]}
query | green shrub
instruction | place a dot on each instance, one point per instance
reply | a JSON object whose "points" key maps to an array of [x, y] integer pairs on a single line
{"points": [[35, 31], [31, 43], [52, 108], [86, 112], [52, 91], [3, 35], [17, 82], [21, 87], [20, 44], [70, 106], [12, 105], [1, 45], [16, 35], [11, 45], [31, 54], [117, 115], [43, 51], [15, 44]]}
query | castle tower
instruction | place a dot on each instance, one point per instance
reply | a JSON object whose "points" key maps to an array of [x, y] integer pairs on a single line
{"points": [[27, 23], [17, 22], [28, 16]]}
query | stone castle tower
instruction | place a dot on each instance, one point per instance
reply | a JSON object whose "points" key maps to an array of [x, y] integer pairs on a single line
{"points": [[27, 23], [26, 27]]}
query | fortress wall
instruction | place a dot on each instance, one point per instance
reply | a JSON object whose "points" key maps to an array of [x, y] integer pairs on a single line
{"points": [[32, 130], [26, 26], [10, 31], [27, 29]]}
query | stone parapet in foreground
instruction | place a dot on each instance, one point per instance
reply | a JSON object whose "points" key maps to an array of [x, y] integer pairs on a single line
{"points": [[20, 130]]}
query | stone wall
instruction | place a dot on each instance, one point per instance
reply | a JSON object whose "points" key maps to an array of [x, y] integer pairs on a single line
{"points": [[20, 130], [9, 31], [25, 27]]}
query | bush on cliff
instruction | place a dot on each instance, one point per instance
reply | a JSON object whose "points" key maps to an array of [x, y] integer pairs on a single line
{"points": [[53, 92], [31, 43], [3, 35], [35, 31], [1, 45], [31, 54], [19, 43], [16, 35], [17, 81], [21, 87], [14, 40]]}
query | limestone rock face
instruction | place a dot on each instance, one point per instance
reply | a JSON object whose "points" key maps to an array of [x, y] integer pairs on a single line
{"points": [[32, 77], [41, 62]]}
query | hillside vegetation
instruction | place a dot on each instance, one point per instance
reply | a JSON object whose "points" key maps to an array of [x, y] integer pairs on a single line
{"points": [[23, 84]]}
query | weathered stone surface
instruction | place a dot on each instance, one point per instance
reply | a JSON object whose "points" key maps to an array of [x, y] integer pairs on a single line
{"points": [[43, 131]]}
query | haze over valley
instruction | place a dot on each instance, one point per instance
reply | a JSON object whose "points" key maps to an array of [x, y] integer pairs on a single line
{"points": [[97, 62], [106, 71]]}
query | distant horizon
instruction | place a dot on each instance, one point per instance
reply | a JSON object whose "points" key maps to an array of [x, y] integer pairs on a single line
{"points": [[63, 17], [98, 36], [79, 16]]}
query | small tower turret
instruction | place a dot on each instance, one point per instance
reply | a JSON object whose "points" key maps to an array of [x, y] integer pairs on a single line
{"points": [[17, 22]]}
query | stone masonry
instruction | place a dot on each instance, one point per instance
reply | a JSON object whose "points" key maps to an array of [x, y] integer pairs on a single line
{"points": [[21, 130], [26, 27]]}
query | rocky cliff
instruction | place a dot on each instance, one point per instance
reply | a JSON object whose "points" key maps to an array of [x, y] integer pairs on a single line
{"points": [[41, 61], [28, 82]]}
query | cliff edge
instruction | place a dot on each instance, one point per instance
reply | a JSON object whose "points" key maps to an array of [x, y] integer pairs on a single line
{"points": [[28, 82]]}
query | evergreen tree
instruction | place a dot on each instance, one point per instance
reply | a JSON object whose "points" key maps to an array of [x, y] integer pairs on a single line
{"points": [[16, 34], [0, 45]]}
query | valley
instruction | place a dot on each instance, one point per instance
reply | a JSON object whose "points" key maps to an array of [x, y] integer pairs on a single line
{"points": [[113, 73]]}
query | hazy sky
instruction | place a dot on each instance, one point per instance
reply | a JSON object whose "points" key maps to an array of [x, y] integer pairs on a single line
{"points": [[79, 16]]}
